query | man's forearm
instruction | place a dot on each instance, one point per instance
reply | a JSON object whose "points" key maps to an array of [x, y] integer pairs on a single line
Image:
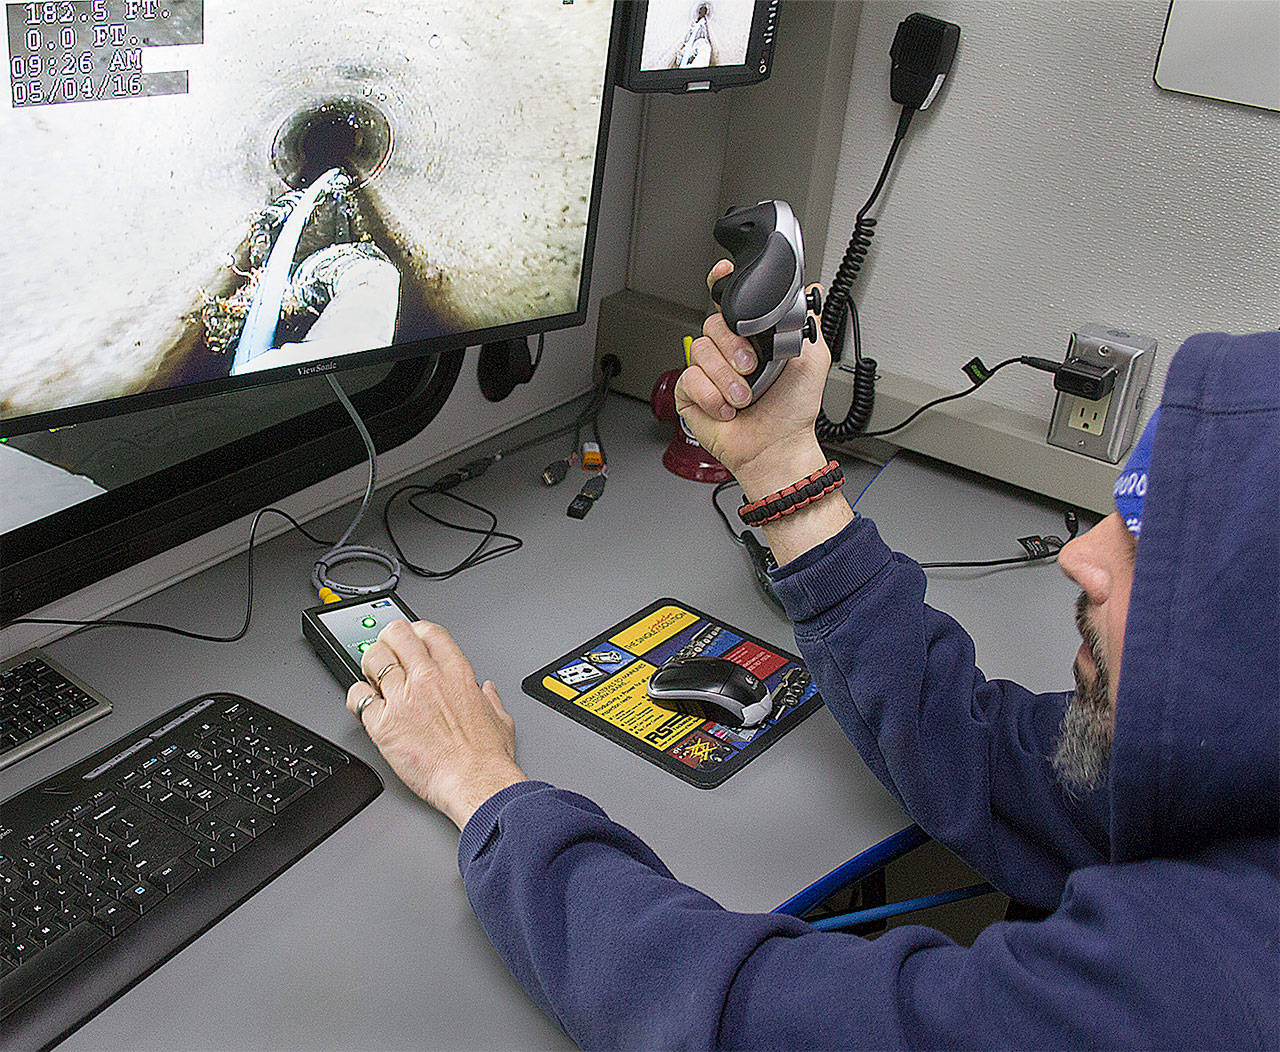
{"points": [[792, 535]]}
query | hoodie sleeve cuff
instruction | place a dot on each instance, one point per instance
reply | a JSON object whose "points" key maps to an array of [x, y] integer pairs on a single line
{"points": [[832, 571], [482, 827]]}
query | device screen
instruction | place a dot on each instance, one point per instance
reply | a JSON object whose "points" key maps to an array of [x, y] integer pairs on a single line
{"points": [[689, 34], [202, 194], [356, 627]]}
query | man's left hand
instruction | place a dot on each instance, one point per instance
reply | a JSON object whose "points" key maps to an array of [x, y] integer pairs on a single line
{"points": [[447, 737]]}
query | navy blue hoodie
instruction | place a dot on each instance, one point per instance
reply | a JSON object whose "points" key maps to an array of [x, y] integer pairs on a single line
{"points": [[1164, 884]]}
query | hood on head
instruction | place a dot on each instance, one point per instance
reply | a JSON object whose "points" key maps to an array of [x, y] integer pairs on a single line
{"points": [[1196, 755]]}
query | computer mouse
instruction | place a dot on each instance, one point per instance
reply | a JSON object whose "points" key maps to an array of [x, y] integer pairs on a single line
{"points": [[711, 687]]}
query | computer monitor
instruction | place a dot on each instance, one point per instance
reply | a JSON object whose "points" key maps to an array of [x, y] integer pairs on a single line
{"points": [[199, 196], [698, 45]]}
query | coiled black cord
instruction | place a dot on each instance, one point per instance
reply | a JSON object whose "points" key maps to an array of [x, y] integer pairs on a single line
{"points": [[839, 308]]}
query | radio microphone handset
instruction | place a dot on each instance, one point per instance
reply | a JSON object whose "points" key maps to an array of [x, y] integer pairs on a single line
{"points": [[764, 298]]}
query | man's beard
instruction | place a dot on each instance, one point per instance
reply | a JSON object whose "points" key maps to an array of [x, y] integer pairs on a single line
{"points": [[1083, 755]]}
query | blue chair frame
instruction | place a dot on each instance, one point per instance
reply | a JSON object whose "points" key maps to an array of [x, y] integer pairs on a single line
{"points": [[873, 858]]}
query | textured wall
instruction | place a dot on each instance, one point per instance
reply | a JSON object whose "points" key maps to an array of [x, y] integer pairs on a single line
{"points": [[1053, 184]]}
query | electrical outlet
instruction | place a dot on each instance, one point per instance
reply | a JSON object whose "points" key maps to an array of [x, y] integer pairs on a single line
{"points": [[1088, 415], [1104, 429]]}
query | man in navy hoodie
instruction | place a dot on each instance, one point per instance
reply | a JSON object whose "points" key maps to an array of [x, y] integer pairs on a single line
{"points": [[1142, 810]]}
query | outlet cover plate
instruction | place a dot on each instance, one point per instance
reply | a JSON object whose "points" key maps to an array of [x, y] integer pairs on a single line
{"points": [[1131, 356]]}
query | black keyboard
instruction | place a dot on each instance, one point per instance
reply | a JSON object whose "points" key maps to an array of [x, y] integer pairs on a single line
{"points": [[111, 866], [40, 702]]}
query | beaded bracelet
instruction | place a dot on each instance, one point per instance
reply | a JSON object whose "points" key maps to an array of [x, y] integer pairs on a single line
{"points": [[796, 496]]}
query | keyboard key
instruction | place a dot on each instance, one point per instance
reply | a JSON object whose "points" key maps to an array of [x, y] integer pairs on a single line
{"points": [[179, 808], [36, 913], [52, 850], [59, 871], [82, 881], [142, 896], [49, 931], [211, 854], [115, 917], [125, 825], [233, 838], [285, 793], [207, 798], [174, 875], [253, 823], [24, 949], [325, 759], [95, 898], [14, 901], [105, 814], [63, 895], [73, 915]]}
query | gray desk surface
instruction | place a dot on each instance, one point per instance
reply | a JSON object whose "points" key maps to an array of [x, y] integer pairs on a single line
{"points": [[368, 941]]}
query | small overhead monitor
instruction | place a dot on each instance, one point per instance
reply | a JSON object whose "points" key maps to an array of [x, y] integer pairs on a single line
{"points": [[202, 195], [698, 45]]}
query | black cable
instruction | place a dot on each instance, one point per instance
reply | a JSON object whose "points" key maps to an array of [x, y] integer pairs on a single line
{"points": [[938, 401], [715, 503], [1073, 527], [840, 306], [1070, 517], [153, 626], [477, 556], [1011, 561], [979, 376], [558, 469], [591, 415], [481, 553], [584, 416]]}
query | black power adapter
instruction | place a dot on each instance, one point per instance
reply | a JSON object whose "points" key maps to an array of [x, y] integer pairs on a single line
{"points": [[1075, 376]]}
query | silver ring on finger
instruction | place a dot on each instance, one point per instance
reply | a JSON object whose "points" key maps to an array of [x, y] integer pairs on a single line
{"points": [[377, 680], [364, 704]]}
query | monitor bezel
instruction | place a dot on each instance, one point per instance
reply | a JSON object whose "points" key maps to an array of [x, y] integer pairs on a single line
{"points": [[755, 69], [430, 346]]}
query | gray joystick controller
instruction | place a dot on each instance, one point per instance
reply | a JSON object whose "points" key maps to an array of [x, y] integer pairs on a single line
{"points": [[764, 298]]}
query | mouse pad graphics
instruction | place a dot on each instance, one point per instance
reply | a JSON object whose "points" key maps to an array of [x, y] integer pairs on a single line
{"points": [[601, 684]]}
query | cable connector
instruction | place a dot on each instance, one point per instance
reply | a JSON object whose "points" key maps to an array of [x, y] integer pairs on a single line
{"points": [[592, 459], [472, 469], [554, 473], [587, 496], [1040, 547]]}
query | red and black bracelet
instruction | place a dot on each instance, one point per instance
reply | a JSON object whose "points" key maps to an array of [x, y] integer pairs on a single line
{"points": [[796, 496]]}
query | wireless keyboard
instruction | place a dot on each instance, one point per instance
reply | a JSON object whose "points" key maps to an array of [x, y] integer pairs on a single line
{"points": [[40, 702], [111, 866]]}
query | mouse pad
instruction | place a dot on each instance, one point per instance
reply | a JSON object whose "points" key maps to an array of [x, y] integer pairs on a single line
{"points": [[602, 684]]}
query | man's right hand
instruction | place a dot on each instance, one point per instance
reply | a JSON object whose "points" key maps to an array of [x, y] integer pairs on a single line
{"points": [[766, 445]]}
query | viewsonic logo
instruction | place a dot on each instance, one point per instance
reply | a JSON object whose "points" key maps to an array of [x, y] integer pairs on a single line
{"points": [[319, 367]]}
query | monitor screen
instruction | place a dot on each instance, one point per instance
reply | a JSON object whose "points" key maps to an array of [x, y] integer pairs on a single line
{"points": [[684, 34], [200, 195]]}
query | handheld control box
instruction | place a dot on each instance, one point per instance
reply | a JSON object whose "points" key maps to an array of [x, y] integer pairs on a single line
{"points": [[341, 632], [764, 298]]}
